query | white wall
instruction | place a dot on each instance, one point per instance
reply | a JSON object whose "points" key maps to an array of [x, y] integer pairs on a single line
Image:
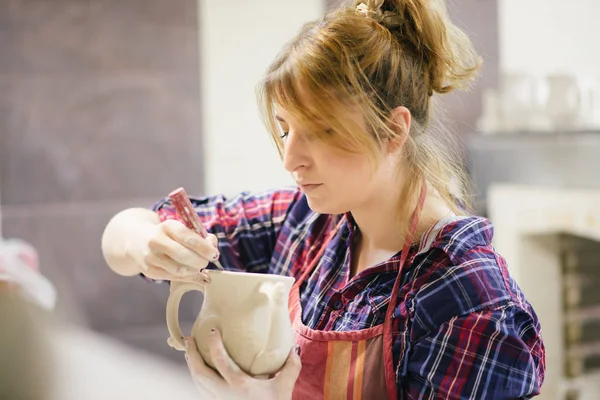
{"points": [[238, 40], [550, 36]]}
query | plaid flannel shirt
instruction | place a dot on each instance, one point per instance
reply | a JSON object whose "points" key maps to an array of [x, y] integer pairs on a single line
{"points": [[462, 327]]}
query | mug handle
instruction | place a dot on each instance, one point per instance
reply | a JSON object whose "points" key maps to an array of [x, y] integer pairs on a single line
{"points": [[176, 292]]}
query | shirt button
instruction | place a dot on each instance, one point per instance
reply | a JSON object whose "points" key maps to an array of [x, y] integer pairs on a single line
{"points": [[337, 305]]}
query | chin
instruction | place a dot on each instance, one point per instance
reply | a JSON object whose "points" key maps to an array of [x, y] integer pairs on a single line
{"points": [[322, 206]]}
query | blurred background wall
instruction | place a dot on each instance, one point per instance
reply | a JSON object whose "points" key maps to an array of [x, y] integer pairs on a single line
{"points": [[100, 110]]}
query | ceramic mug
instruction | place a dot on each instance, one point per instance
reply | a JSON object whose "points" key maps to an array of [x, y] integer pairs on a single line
{"points": [[251, 312]]}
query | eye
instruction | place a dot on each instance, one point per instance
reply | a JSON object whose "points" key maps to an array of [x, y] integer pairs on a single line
{"points": [[283, 135]]}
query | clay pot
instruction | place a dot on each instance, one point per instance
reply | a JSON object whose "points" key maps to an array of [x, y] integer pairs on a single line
{"points": [[251, 312]]}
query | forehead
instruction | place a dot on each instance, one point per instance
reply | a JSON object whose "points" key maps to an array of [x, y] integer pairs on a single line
{"points": [[284, 115], [335, 116], [301, 102]]}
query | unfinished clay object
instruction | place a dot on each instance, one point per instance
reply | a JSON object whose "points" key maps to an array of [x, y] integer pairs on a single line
{"points": [[251, 312]]}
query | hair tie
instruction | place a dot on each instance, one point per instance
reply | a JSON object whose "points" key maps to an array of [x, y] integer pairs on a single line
{"points": [[372, 9]]}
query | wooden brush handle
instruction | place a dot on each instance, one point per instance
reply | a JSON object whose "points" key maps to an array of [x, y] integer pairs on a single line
{"points": [[184, 207]]}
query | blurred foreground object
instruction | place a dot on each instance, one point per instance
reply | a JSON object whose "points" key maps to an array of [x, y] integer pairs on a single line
{"points": [[25, 351], [19, 273], [44, 359]]}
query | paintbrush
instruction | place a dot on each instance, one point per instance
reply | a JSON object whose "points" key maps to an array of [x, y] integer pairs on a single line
{"points": [[184, 207]]}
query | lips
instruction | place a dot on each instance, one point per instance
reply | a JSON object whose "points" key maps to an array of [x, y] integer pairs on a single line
{"points": [[307, 187]]}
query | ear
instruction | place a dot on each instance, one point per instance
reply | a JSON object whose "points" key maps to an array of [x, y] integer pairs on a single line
{"points": [[401, 120]]}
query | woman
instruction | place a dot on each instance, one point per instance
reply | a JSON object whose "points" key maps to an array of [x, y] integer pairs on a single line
{"points": [[399, 293]]}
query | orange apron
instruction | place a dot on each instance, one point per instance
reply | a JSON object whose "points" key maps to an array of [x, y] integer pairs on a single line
{"points": [[351, 365]]}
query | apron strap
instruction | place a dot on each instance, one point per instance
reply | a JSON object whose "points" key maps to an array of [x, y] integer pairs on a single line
{"points": [[405, 250], [388, 343]]}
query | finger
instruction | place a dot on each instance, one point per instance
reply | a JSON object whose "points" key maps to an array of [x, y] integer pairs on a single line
{"points": [[173, 268], [213, 240], [228, 369], [291, 370], [206, 248], [178, 253], [157, 273], [198, 368], [176, 228], [201, 277], [195, 277]]}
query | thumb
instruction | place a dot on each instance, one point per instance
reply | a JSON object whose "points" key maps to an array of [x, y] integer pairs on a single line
{"points": [[290, 371]]}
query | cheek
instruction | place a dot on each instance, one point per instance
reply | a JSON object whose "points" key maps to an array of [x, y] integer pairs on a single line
{"points": [[353, 180], [356, 169]]}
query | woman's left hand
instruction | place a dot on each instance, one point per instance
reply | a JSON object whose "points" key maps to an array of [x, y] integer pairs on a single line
{"points": [[235, 384]]}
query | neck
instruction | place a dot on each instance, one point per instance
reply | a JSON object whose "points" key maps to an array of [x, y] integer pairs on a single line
{"points": [[383, 230], [375, 224]]}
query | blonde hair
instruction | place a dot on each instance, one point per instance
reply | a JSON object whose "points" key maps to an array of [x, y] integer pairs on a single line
{"points": [[375, 56]]}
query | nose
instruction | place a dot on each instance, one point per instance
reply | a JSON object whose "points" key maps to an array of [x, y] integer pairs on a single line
{"points": [[295, 152]]}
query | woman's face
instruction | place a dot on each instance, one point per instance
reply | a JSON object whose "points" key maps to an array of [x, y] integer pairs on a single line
{"points": [[334, 181]]}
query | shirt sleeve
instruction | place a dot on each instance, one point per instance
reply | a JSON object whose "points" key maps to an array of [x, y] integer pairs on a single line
{"points": [[246, 225], [490, 354]]}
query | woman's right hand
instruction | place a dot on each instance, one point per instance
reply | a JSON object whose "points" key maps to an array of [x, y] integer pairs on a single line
{"points": [[171, 251]]}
